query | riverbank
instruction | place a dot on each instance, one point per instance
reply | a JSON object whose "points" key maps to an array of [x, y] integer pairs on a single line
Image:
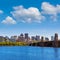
{"points": [[13, 43], [46, 44]]}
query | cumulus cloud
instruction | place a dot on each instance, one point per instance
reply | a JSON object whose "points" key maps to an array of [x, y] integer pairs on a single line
{"points": [[1, 11], [9, 20], [58, 8], [33, 14], [48, 8], [51, 10], [29, 15]]}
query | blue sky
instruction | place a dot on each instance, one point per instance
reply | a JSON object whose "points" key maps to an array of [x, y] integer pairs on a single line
{"points": [[36, 17]]}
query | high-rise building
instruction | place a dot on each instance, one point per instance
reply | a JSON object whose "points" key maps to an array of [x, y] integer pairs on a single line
{"points": [[26, 35], [13, 38], [56, 40], [56, 37], [27, 38], [32, 37], [42, 39], [46, 38], [52, 38], [21, 35], [7, 38], [37, 37], [2, 39], [21, 38]]}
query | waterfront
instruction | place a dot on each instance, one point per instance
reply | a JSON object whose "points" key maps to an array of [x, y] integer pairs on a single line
{"points": [[29, 53]]}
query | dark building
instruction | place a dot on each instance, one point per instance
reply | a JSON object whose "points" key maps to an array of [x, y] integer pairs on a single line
{"points": [[37, 37], [21, 35], [26, 35], [56, 37], [52, 38], [2, 39], [33, 38], [46, 38], [21, 38], [42, 39], [56, 40]]}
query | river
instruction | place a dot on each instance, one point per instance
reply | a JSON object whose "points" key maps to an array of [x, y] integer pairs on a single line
{"points": [[29, 53]]}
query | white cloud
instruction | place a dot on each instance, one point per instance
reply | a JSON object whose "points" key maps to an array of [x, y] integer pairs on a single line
{"points": [[9, 20], [29, 15], [51, 10], [58, 8], [48, 8], [1, 11]]}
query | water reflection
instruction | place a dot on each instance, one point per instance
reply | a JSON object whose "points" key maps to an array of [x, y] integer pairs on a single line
{"points": [[56, 53], [42, 53], [49, 53]]}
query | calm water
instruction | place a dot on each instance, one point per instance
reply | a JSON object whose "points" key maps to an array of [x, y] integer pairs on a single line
{"points": [[29, 53]]}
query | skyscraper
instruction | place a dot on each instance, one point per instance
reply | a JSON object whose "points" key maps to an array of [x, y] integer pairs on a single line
{"points": [[21, 38], [21, 35], [42, 39], [26, 35], [56, 37], [13, 38], [56, 40], [46, 39], [52, 38], [32, 37], [37, 37]]}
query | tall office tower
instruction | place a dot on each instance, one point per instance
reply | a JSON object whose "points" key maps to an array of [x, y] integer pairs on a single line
{"points": [[21, 35], [2, 39], [56, 37], [32, 37], [56, 40], [7, 38], [37, 37], [46, 39], [52, 38], [13, 38], [42, 41], [26, 37], [21, 38]]}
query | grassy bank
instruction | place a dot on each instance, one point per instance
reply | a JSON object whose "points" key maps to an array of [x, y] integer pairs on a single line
{"points": [[13, 44]]}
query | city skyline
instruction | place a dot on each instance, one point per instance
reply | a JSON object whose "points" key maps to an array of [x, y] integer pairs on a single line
{"points": [[29, 16], [32, 37]]}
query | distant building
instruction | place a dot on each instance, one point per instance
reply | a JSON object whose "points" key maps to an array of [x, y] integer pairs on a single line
{"points": [[52, 38], [26, 37], [21, 35], [13, 38], [33, 38], [21, 38], [42, 39], [56, 37], [56, 40], [2, 39], [37, 37], [7, 39], [46, 38]]}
